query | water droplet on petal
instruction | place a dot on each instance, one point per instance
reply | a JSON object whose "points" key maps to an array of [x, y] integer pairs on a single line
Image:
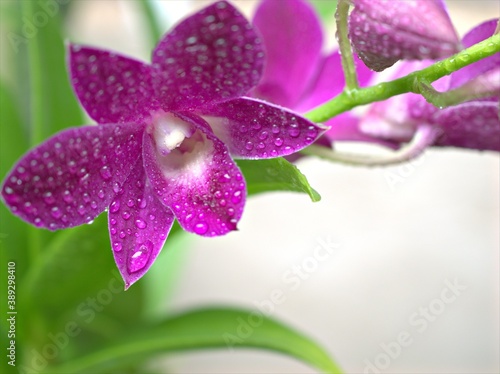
{"points": [[67, 196], [140, 258], [236, 197], [48, 197], [81, 210], [130, 203], [117, 247], [140, 223], [106, 173], [114, 207], [56, 212], [122, 234], [294, 130], [200, 228]]}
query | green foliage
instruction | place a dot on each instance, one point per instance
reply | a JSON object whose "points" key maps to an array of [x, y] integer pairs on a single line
{"points": [[202, 329], [275, 175]]}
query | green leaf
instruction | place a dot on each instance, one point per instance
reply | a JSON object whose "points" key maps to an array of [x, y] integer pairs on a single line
{"points": [[275, 175], [76, 279], [203, 329], [325, 8]]}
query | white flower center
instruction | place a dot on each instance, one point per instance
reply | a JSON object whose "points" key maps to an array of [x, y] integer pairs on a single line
{"points": [[169, 132]]}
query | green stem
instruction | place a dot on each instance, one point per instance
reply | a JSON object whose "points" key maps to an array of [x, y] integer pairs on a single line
{"points": [[341, 16], [410, 83], [36, 112], [155, 31]]}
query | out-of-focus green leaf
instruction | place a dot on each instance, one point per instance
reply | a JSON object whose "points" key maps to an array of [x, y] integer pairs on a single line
{"points": [[13, 239], [275, 175], [49, 82], [160, 281], [203, 329], [325, 8], [76, 280]]}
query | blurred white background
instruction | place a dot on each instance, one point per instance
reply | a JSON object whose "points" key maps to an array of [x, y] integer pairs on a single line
{"points": [[397, 246]]}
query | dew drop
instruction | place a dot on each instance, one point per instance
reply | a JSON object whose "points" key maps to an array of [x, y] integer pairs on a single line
{"points": [[125, 215], [114, 207], [122, 234], [236, 197], [249, 146], [278, 142], [56, 212], [48, 197], [100, 194], [130, 203], [140, 224], [200, 228], [263, 135], [117, 247], [294, 130], [106, 173], [140, 258]]}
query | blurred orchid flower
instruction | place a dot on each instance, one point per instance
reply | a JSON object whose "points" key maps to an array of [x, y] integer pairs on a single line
{"points": [[473, 124], [297, 73], [384, 32]]}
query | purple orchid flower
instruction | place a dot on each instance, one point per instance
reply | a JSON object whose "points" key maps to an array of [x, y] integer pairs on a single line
{"points": [[297, 74], [164, 144], [384, 32], [474, 124]]}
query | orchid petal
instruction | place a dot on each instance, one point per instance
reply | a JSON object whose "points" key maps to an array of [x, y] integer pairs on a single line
{"points": [[383, 32], [345, 127], [292, 37], [330, 81], [72, 177], [212, 56], [205, 189], [111, 88], [254, 129], [138, 225], [470, 72], [473, 125]]}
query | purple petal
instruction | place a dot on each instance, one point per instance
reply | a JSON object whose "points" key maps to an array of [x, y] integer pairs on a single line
{"points": [[345, 127], [383, 32], [111, 88], [476, 35], [390, 120], [72, 177], [473, 125], [251, 128], [138, 225], [199, 181], [330, 81], [212, 56], [292, 37]]}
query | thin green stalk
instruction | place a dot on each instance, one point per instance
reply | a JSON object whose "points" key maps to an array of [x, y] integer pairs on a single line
{"points": [[341, 16], [36, 112], [410, 83]]}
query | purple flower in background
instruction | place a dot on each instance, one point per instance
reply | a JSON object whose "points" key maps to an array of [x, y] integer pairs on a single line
{"points": [[164, 142], [384, 32], [473, 124], [297, 74]]}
